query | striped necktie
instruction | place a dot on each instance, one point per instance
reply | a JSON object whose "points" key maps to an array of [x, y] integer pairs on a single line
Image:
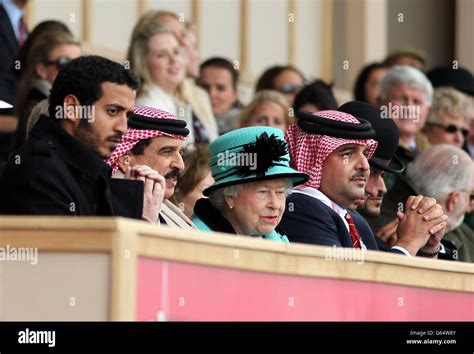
{"points": [[353, 232]]}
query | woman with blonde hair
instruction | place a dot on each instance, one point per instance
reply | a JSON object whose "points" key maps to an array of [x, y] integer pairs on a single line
{"points": [[156, 56], [268, 108]]}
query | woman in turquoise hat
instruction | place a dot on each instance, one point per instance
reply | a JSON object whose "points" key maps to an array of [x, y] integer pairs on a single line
{"points": [[252, 177]]}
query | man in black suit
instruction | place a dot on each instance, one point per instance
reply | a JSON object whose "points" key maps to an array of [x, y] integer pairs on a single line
{"points": [[333, 148], [13, 32], [61, 170]]}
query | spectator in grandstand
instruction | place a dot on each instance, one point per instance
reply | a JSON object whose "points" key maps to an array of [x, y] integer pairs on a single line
{"points": [[446, 173], [47, 54], [286, 79], [448, 121], [158, 58], [367, 84], [316, 96], [405, 97], [252, 177], [60, 169], [333, 148], [155, 139], [220, 79], [407, 56], [195, 178], [268, 108]]}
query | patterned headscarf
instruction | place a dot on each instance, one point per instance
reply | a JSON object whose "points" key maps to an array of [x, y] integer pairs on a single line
{"points": [[308, 151], [133, 135]]}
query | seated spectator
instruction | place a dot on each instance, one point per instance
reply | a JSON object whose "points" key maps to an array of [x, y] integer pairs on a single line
{"points": [[156, 56], [367, 84], [333, 148], [384, 161], [154, 139], [407, 56], [220, 79], [40, 29], [47, 54], [458, 78], [252, 179], [405, 97], [286, 79], [317, 96], [189, 42], [13, 34], [195, 178], [188, 90], [434, 173], [469, 145], [447, 122], [60, 169], [268, 108]]}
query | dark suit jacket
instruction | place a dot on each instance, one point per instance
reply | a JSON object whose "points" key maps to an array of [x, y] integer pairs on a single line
{"points": [[8, 49], [308, 220], [392, 201], [55, 174]]}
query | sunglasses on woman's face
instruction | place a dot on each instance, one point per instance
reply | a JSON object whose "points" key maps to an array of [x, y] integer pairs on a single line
{"points": [[289, 88], [60, 62], [451, 128]]}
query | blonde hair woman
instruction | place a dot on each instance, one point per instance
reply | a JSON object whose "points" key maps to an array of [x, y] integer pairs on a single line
{"points": [[268, 108], [157, 57]]}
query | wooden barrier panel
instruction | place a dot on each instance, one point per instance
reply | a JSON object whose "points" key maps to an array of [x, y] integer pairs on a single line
{"points": [[120, 269]]}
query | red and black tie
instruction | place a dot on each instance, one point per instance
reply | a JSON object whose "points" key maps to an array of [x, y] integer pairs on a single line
{"points": [[353, 231]]}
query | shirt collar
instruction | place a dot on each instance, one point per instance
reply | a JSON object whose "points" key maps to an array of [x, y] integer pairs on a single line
{"points": [[316, 193]]}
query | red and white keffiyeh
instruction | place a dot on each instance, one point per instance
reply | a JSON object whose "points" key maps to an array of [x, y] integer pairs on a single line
{"points": [[133, 136], [308, 151]]}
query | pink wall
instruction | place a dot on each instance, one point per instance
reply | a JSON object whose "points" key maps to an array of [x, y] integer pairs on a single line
{"points": [[202, 293]]}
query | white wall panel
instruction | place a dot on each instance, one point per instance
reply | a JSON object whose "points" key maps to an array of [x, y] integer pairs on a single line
{"points": [[69, 12], [177, 6], [112, 23], [308, 37], [268, 40], [220, 29]]}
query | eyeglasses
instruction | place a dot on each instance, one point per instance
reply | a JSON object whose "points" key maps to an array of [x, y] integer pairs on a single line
{"points": [[289, 88], [451, 128], [60, 62]]}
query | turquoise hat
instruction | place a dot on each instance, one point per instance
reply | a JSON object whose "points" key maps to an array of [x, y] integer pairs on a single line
{"points": [[251, 154]]}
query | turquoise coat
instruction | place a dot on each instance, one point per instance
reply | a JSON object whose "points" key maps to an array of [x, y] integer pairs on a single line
{"points": [[274, 236]]}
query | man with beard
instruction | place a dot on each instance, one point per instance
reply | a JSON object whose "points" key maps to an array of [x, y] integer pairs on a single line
{"points": [[333, 148], [384, 161], [60, 170], [154, 138]]}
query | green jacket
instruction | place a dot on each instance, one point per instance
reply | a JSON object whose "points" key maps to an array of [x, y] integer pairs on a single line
{"points": [[463, 239]]}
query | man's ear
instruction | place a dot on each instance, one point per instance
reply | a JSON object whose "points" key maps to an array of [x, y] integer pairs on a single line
{"points": [[451, 202], [125, 161], [70, 109]]}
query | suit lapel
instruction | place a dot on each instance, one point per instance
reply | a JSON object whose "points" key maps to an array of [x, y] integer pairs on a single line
{"points": [[6, 30]]}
